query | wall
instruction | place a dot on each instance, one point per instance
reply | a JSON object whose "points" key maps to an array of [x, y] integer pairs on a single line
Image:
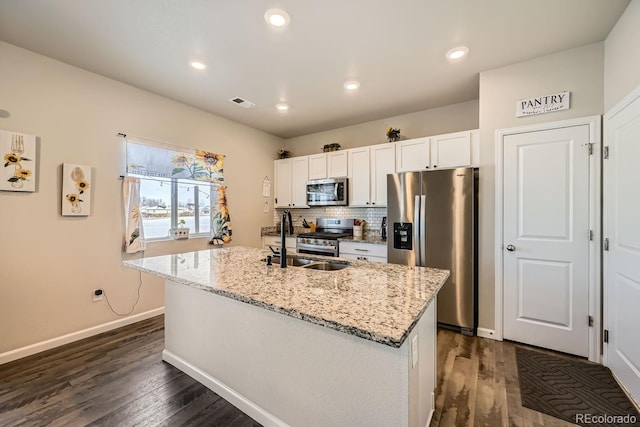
{"points": [[50, 264], [621, 61], [452, 118], [579, 71]]}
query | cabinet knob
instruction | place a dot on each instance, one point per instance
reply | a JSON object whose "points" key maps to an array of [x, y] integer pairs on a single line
{"points": [[367, 202], [373, 203], [426, 167], [293, 204], [435, 166]]}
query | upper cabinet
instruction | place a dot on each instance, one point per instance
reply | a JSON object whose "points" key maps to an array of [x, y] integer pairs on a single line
{"points": [[291, 176], [368, 169], [328, 165], [359, 177], [451, 150], [383, 162], [318, 166], [337, 164], [412, 155]]}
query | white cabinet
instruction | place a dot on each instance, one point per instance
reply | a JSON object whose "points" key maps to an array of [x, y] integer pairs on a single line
{"points": [[383, 162], [368, 169], [318, 166], [412, 155], [363, 251], [328, 165], [359, 177], [275, 242], [337, 164], [452, 150], [291, 176]]}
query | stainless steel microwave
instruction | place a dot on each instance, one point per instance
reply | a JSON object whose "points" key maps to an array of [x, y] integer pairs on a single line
{"points": [[327, 192]]}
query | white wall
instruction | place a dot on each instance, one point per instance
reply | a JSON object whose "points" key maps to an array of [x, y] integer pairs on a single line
{"points": [[50, 264], [621, 59], [579, 71], [452, 118]]}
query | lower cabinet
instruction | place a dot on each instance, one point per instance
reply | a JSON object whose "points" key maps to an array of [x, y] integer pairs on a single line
{"points": [[276, 241], [363, 251]]}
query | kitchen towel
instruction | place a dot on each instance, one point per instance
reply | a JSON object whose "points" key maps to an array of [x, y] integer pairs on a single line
{"points": [[133, 231]]}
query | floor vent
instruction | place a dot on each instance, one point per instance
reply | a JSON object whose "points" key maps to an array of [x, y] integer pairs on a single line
{"points": [[242, 102]]}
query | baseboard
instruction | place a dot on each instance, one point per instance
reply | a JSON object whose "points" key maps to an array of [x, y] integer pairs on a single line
{"points": [[32, 349], [487, 333], [236, 399]]}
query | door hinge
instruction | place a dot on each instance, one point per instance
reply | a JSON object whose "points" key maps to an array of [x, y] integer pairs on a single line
{"points": [[605, 338], [590, 234], [590, 148], [606, 152], [590, 320], [606, 244]]}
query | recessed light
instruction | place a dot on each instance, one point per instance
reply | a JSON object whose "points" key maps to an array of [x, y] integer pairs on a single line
{"points": [[277, 18], [352, 85], [282, 107], [198, 64], [457, 53]]}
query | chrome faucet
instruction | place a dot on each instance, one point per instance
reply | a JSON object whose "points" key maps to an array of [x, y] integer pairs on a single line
{"points": [[283, 244]]}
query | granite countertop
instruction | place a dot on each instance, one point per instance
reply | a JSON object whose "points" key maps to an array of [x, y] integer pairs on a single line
{"points": [[375, 301]]}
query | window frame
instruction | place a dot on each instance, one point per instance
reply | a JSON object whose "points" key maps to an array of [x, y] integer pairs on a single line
{"points": [[174, 217]]}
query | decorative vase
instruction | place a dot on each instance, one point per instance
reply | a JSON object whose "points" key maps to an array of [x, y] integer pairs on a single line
{"points": [[17, 184]]}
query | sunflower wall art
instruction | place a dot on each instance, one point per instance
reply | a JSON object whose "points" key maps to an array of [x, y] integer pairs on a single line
{"points": [[19, 161], [76, 190]]}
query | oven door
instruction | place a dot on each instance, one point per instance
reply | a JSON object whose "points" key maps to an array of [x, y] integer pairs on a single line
{"points": [[326, 250]]}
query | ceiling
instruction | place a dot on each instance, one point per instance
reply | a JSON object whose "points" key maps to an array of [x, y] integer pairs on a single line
{"points": [[396, 50]]}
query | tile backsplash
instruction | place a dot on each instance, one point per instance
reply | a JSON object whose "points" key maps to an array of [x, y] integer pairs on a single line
{"points": [[372, 216]]}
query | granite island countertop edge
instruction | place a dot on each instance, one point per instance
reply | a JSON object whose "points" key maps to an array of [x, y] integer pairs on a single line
{"points": [[385, 339]]}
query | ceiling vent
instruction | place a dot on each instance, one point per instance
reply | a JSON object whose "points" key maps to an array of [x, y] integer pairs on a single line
{"points": [[242, 102]]}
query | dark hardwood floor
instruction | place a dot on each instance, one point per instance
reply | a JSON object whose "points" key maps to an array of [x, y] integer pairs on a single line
{"points": [[113, 379], [118, 379]]}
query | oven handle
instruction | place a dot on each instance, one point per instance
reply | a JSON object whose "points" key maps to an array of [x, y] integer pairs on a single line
{"points": [[328, 248]]}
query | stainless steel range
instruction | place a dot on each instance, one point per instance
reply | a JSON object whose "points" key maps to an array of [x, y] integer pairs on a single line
{"points": [[324, 241]]}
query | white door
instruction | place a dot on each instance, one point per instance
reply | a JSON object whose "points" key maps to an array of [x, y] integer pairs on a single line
{"points": [[622, 229], [546, 238]]}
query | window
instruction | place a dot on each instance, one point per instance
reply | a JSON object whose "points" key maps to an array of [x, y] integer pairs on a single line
{"points": [[179, 187]]}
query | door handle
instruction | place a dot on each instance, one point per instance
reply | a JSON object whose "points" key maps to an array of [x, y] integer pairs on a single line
{"points": [[511, 248]]}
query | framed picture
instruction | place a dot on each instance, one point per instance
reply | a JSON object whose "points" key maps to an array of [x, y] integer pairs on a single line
{"points": [[19, 161], [76, 190]]}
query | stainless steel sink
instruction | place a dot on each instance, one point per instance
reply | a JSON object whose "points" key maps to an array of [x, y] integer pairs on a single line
{"points": [[326, 266], [313, 264], [293, 261]]}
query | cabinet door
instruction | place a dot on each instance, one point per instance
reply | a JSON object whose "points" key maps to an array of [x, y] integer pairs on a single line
{"points": [[451, 150], [337, 164], [318, 166], [359, 177], [282, 178], [412, 155], [299, 178], [383, 162]]}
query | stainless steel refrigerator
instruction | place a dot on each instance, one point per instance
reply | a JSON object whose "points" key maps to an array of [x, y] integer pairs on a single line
{"points": [[432, 220]]}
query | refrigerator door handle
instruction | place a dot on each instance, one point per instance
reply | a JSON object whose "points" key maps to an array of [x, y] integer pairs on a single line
{"points": [[423, 231], [416, 230]]}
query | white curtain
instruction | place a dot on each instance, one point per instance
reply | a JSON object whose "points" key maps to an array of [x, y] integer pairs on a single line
{"points": [[133, 231]]}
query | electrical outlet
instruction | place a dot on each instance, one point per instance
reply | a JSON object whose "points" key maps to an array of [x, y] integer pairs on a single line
{"points": [[97, 295]]}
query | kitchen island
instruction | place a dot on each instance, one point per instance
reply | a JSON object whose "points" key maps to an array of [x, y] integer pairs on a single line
{"points": [[303, 347]]}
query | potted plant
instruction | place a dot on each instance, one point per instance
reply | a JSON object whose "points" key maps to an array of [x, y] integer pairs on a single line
{"points": [[180, 232]]}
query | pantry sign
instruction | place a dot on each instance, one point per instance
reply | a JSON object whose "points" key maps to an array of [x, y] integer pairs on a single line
{"points": [[543, 104]]}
